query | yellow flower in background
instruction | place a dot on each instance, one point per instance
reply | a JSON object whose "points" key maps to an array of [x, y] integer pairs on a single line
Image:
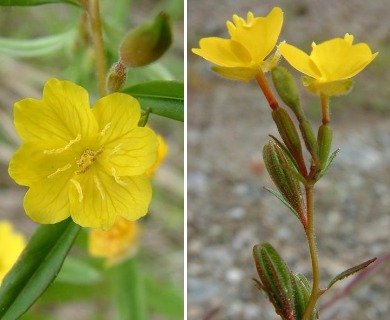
{"points": [[86, 163], [119, 243], [243, 56], [162, 152], [12, 244], [330, 64]]}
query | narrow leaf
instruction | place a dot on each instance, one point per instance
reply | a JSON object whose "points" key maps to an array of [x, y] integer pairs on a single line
{"points": [[329, 163], [350, 272], [283, 199], [76, 271], [164, 98], [27, 48], [27, 3], [36, 268]]}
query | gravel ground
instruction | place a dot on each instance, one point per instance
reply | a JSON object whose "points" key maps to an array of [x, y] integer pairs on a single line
{"points": [[229, 212]]}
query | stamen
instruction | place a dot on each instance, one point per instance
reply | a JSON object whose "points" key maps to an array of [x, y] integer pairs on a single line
{"points": [[78, 188], [64, 168], [99, 187], [59, 150], [104, 131], [87, 159], [114, 151], [118, 179]]}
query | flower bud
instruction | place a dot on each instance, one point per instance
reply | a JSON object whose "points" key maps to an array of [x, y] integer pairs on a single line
{"points": [[281, 168], [301, 290], [274, 279], [146, 43], [324, 139], [116, 77], [287, 89], [288, 132], [309, 138]]}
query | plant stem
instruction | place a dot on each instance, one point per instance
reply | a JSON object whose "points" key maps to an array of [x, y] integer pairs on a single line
{"points": [[315, 291], [97, 36], [263, 84], [325, 109]]}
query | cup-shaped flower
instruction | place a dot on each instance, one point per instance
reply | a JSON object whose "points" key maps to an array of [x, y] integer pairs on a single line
{"points": [[244, 55], [12, 244], [117, 244], [331, 64], [86, 163]]}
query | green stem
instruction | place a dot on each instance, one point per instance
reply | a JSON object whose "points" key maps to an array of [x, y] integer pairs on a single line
{"points": [[129, 290], [315, 291], [97, 36]]}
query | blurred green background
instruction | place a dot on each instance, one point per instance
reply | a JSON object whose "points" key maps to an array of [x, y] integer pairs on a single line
{"points": [[37, 43]]}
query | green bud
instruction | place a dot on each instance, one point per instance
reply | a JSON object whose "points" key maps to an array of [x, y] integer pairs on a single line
{"points": [[289, 133], [147, 42], [280, 169], [274, 279], [324, 139], [309, 138], [116, 77], [287, 89], [301, 290]]}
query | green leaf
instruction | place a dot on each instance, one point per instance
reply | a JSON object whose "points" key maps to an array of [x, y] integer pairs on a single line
{"points": [[76, 271], [36, 268], [329, 163], [164, 98], [128, 290], [27, 3], [164, 299], [283, 199], [28, 48], [350, 272]]}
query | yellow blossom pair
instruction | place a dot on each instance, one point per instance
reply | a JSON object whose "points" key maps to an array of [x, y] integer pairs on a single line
{"points": [[244, 56]]}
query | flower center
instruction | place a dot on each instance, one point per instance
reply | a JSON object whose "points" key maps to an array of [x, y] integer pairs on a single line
{"points": [[87, 159]]}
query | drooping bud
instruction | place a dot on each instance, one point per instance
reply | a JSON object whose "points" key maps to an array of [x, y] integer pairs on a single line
{"points": [[280, 169], [147, 42], [289, 133], [324, 139], [287, 89], [116, 77], [274, 279]]}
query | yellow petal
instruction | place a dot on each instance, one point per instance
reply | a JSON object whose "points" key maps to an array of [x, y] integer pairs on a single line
{"points": [[260, 34], [47, 201], [97, 198], [237, 73], [30, 164], [299, 60], [133, 154], [61, 116], [338, 59], [223, 52]]}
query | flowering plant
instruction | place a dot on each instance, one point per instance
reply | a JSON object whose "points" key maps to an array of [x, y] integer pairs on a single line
{"points": [[302, 155], [87, 152]]}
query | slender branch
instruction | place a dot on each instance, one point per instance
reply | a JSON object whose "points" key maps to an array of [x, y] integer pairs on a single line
{"points": [[325, 109], [263, 84], [315, 291], [97, 36]]}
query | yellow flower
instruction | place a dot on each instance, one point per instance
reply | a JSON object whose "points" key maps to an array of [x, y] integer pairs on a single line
{"points": [[119, 243], [162, 152], [12, 244], [86, 163], [243, 56], [330, 64]]}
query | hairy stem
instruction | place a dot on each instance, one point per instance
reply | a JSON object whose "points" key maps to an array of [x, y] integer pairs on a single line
{"points": [[315, 292], [97, 36], [263, 84], [325, 109]]}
